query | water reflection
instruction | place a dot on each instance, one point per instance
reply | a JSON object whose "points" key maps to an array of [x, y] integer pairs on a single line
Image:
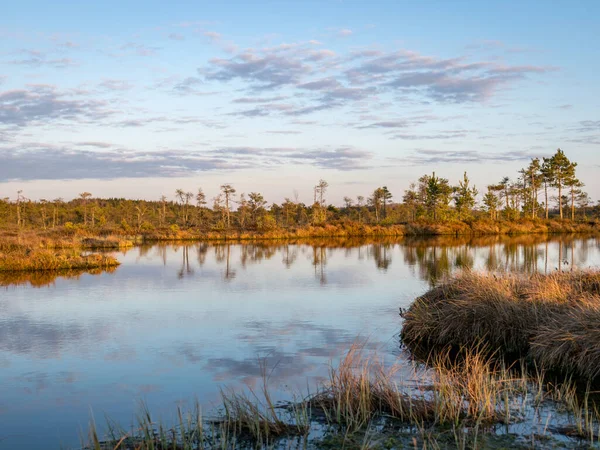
{"points": [[39, 279], [176, 322], [433, 258]]}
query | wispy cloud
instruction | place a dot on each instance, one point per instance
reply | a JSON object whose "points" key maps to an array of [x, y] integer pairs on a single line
{"points": [[39, 161], [46, 103], [38, 58], [329, 80], [437, 157], [140, 49], [115, 85]]}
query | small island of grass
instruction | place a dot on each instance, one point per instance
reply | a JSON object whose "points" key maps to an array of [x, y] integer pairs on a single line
{"points": [[552, 321]]}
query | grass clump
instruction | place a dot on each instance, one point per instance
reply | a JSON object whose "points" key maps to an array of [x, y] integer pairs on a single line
{"points": [[32, 252], [109, 243], [551, 320], [471, 391], [27, 260], [257, 419]]}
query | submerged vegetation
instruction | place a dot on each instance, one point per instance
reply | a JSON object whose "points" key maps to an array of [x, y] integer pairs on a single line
{"points": [[552, 321], [471, 402], [431, 206]]}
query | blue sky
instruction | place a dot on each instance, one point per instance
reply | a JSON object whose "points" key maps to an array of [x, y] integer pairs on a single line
{"points": [[138, 99]]}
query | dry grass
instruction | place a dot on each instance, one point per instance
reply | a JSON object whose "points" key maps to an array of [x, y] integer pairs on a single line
{"points": [[552, 320], [468, 392], [53, 260], [110, 242], [27, 252], [256, 418]]}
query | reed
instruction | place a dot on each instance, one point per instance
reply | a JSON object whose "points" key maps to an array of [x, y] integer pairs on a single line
{"points": [[450, 403]]}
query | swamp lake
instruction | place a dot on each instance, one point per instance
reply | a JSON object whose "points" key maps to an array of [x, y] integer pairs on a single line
{"points": [[175, 322]]}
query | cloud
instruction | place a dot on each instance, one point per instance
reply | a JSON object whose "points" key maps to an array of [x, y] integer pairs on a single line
{"points": [[140, 49], [587, 126], [217, 39], [39, 59], [42, 103], [436, 157], [116, 85], [176, 37], [212, 35], [265, 110], [345, 32], [259, 99], [283, 132], [263, 72], [343, 158], [96, 144], [39, 161], [444, 80], [325, 80], [319, 85], [58, 163], [388, 124], [439, 135], [187, 85]]}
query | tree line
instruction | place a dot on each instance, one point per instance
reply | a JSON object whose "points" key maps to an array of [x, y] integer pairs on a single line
{"points": [[546, 188]]}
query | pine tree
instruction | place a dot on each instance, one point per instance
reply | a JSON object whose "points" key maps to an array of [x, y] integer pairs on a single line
{"points": [[464, 197], [563, 171]]}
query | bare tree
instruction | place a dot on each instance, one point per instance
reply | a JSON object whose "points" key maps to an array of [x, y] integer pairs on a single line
{"points": [[228, 193], [20, 199], [321, 189], [201, 203], [55, 203]]}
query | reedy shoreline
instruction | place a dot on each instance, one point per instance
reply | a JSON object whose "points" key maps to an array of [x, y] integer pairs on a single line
{"points": [[467, 403], [63, 248]]}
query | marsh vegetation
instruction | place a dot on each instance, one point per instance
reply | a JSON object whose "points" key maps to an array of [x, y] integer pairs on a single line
{"points": [[456, 403], [241, 326], [545, 197]]}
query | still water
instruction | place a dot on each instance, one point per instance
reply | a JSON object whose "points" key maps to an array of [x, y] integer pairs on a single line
{"points": [[174, 323]]}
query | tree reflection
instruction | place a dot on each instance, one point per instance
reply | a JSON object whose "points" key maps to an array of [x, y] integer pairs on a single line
{"points": [[382, 257], [46, 278], [185, 269], [432, 259], [319, 261]]}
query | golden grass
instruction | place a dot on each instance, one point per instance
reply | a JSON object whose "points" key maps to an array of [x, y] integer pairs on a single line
{"points": [[468, 392], [31, 251], [14, 258], [552, 320]]}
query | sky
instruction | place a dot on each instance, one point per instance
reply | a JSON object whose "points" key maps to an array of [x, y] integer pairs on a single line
{"points": [[139, 98]]}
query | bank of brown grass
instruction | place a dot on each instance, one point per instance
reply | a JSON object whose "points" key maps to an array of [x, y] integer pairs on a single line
{"points": [[552, 320], [60, 239], [53, 260]]}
